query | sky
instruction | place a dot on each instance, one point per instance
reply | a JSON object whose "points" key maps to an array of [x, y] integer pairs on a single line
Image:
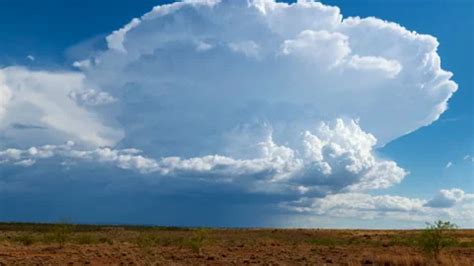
{"points": [[346, 114]]}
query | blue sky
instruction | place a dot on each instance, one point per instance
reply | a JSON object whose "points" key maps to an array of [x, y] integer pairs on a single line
{"points": [[128, 109]]}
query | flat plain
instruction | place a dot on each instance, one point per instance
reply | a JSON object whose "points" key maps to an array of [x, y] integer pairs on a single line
{"points": [[67, 244]]}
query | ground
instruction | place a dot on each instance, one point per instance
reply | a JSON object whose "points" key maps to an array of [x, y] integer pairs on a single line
{"points": [[66, 244]]}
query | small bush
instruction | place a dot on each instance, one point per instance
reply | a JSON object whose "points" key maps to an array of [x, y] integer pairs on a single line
{"points": [[436, 237], [60, 234], [198, 239], [24, 239]]}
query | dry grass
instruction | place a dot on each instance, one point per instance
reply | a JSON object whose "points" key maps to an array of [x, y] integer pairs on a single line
{"points": [[62, 244]]}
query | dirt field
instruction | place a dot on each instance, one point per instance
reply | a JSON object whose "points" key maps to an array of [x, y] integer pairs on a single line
{"points": [[62, 244]]}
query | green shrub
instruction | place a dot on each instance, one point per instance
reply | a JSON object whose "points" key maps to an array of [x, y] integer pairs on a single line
{"points": [[436, 237]]}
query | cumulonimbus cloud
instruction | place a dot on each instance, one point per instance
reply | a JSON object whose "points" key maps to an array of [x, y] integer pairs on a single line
{"points": [[290, 64], [275, 97], [219, 64]]}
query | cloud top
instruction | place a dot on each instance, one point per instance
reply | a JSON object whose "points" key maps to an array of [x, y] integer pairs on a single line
{"points": [[270, 61], [208, 67]]}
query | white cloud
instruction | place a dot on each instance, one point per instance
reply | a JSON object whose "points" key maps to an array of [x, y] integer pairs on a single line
{"points": [[348, 203], [365, 206], [91, 97], [125, 159], [5, 96], [26, 163], [247, 48], [116, 40], [448, 198], [323, 48], [468, 158], [83, 64], [335, 158], [203, 46], [449, 164], [312, 66], [43, 98], [373, 63]]}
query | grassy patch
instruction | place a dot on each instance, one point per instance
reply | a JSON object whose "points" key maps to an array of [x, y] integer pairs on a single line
{"points": [[198, 240], [404, 241], [328, 242], [60, 234], [24, 239], [147, 240], [466, 244], [86, 239]]}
